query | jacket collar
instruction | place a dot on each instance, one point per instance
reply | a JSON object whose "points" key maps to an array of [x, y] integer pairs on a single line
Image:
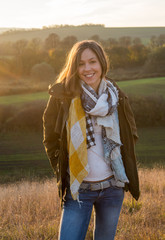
{"points": [[58, 91]]}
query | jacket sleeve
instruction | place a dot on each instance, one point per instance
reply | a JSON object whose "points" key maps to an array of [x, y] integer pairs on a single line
{"points": [[131, 120], [50, 138]]}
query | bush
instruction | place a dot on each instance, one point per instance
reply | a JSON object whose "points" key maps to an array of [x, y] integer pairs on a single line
{"points": [[42, 72], [6, 112], [155, 62], [29, 118], [149, 111]]}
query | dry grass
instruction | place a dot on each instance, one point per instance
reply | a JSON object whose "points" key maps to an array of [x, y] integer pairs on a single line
{"points": [[32, 210]]}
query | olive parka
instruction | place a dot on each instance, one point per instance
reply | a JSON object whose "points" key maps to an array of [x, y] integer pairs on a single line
{"points": [[55, 139]]}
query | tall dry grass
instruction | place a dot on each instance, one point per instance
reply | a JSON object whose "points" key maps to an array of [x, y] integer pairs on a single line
{"points": [[31, 210]]}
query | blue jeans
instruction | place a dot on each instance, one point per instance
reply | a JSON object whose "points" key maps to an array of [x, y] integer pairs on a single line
{"points": [[76, 216]]}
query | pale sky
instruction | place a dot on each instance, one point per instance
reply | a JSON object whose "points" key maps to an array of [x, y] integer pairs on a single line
{"points": [[111, 13]]}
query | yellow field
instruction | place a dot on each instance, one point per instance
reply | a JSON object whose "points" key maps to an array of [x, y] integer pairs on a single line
{"points": [[32, 210]]}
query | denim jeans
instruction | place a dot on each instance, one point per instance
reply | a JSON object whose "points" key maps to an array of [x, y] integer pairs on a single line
{"points": [[76, 215]]}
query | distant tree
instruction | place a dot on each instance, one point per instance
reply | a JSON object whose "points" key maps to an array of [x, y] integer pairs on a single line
{"points": [[57, 59], [156, 61], [20, 47], [138, 55], [35, 45], [111, 42], [125, 41], [137, 41], [68, 41], [26, 55], [161, 40], [119, 57], [52, 41], [42, 72], [5, 72], [95, 38], [153, 41], [157, 41]]}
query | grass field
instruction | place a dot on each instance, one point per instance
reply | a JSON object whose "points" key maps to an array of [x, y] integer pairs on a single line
{"points": [[144, 87], [31, 210], [20, 99], [23, 155], [140, 87], [150, 148]]}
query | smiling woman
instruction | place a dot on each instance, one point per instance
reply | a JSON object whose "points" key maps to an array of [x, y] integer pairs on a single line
{"points": [[89, 136]]}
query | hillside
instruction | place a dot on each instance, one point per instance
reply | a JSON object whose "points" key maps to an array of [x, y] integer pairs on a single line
{"points": [[84, 32]]}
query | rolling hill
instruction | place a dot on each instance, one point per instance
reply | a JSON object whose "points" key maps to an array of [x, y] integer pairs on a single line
{"points": [[83, 32]]}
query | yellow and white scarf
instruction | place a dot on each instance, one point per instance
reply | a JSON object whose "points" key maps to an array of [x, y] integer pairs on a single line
{"points": [[76, 141]]}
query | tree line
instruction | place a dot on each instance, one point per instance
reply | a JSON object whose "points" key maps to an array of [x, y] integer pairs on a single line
{"points": [[40, 59]]}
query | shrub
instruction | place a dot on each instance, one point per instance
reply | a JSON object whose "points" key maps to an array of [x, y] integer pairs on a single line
{"points": [[29, 117], [149, 111], [6, 112], [156, 62], [42, 72]]}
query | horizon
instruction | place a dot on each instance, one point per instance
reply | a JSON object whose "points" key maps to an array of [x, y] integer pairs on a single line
{"points": [[71, 25]]}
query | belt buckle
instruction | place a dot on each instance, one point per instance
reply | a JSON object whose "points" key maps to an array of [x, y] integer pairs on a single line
{"points": [[95, 187]]}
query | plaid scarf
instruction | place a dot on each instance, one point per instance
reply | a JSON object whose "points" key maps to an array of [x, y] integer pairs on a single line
{"points": [[89, 100], [103, 106]]}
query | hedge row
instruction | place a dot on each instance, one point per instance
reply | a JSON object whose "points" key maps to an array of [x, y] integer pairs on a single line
{"points": [[148, 111]]}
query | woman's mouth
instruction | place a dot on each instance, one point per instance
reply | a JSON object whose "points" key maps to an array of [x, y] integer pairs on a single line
{"points": [[89, 75]]}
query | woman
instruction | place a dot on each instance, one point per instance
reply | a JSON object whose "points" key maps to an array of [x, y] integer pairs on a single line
{"points": [[89, 137]]}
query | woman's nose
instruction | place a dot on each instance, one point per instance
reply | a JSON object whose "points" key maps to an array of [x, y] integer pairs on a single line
{"points": [[87, 67]]}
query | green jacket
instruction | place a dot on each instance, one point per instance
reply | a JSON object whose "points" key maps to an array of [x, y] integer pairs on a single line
{"points": [[55, 139]]}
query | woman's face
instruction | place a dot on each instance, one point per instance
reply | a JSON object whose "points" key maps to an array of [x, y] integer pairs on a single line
{"points": [[89, 69]]}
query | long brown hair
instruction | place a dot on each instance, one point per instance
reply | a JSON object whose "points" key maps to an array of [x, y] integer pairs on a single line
{"points": [[69, 74]]}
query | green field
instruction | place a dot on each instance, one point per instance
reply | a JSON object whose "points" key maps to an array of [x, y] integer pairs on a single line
{"points": [[144, 87], [150, 147], [23, 155], [139, 87], [20, 99]]}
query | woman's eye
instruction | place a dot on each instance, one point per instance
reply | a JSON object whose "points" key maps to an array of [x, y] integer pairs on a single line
{"points": [[81, 64], [93, 62]]}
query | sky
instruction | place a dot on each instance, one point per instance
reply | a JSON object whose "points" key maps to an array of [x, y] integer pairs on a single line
{"points": [[111, 13]]}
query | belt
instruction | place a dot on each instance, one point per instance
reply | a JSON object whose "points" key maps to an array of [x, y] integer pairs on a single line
{"points": [[94, 186]]}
